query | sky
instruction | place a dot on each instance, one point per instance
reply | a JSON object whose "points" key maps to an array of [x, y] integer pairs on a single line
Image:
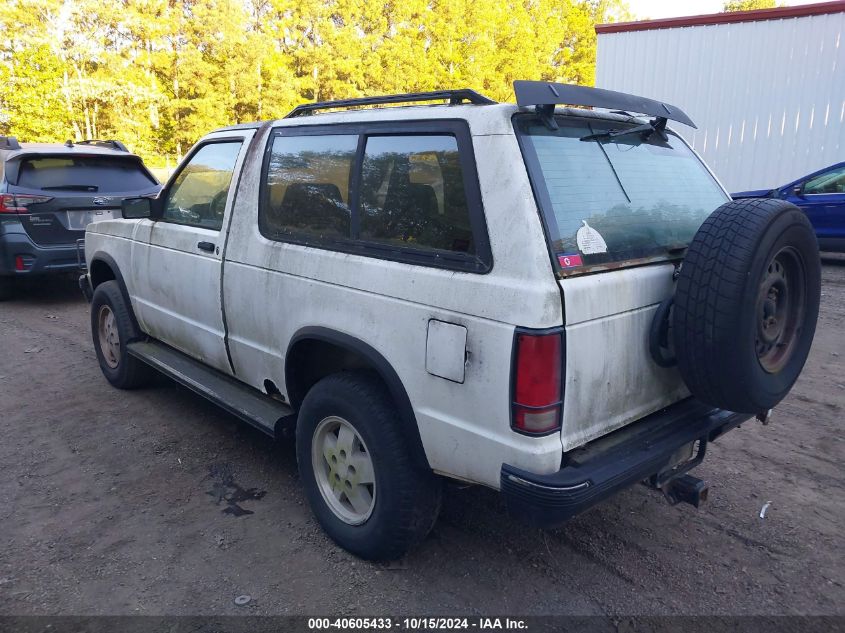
{"points": [[655, 9]]}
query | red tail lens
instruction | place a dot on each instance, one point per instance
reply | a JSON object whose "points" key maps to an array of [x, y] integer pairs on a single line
{"points": [[18, 202], [7, 203], [538, 364], [537, 378], [24, 262]]}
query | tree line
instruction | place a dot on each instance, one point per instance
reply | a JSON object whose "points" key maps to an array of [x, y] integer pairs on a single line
{"points": [[158, 74]]}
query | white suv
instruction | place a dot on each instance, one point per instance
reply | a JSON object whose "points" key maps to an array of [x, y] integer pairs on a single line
{"points": [[552, 302]]}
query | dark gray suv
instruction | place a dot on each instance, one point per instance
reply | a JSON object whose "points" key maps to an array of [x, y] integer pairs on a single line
{"points": [[49, 193]]}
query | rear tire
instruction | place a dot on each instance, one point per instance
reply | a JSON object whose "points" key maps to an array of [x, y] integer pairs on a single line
{"points": [[746, 304], [347, 436], [112, 329]]}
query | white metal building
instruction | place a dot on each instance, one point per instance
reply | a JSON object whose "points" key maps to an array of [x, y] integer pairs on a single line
{"points": [[766, 88]]}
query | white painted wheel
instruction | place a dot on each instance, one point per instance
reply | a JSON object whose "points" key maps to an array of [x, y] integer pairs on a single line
{"points": [[359, 476], [343, 469]]}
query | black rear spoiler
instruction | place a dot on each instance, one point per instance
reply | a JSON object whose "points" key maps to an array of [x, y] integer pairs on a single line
{"points": [[547, 95]]}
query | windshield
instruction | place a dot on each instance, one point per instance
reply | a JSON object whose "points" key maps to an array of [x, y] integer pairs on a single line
{"points": [[615, 199]]}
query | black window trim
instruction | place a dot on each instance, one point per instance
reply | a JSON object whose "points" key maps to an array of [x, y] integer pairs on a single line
{"points": [[481, 262], [165, 191], [542, 200]]}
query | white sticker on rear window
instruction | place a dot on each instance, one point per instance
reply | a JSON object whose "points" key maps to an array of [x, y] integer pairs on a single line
{"points": [[589, 240]]}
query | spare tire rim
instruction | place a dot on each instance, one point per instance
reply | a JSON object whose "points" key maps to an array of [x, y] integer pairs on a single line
{"points": [[344, 470], [780, 310], [109, 337]]}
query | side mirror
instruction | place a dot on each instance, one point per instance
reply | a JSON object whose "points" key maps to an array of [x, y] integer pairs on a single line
{"points": [[136, 208], [798, 190]]}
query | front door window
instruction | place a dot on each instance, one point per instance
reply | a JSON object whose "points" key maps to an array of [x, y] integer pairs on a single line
{"points": [[198, 195], [832, 181]]}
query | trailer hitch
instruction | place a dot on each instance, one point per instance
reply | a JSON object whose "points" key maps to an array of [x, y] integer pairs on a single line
{"points": [[674, 480], [686, 489]]}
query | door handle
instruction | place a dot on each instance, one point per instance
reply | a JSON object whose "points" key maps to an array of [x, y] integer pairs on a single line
{"points": [[206, 246]]}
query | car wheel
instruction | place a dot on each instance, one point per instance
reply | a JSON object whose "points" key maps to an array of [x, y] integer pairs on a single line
{"points": [[746, 304], [112, 328], [7, 288], [356, 469]]}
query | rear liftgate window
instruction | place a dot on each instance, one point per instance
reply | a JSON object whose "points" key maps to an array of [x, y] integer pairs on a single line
{"points": [[84, 173], [612, 200]]}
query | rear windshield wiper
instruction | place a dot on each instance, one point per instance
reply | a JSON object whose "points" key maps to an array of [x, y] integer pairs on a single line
{"points": [[657, 125], [72, 188]]}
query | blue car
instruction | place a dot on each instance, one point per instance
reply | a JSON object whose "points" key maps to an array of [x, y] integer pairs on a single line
{"points": [[821, 195]]}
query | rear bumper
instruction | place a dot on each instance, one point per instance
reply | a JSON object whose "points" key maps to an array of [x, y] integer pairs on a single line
{"points": [[37, 260], [620, 459]]}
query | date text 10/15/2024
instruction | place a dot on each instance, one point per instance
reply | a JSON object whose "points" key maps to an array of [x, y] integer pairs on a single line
{"points": [[417, 624]]}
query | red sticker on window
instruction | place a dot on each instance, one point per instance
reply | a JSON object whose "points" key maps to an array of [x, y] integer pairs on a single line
{"points": [[570, 261]]}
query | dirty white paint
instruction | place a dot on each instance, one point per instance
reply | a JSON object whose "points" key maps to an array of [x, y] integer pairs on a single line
{"points": [[768, 96], [448, 335], [465, 428], [176, 286], [611, 379]]}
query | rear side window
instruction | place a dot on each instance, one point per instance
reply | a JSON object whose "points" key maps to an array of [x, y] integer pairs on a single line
{"points": [[96, 174], [307, 187], [399, 191], [412, 193]]}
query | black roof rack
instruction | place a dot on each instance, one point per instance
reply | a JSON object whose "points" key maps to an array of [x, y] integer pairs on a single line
{"points": [[545, 95], [455, 97], [9, 142], [99, 143]]}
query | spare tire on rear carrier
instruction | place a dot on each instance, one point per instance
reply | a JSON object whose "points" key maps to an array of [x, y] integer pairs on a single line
{"points": [[746, 304]]}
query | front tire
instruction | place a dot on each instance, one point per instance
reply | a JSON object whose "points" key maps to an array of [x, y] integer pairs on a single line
{"points": [[112, 329], [357, 471]]}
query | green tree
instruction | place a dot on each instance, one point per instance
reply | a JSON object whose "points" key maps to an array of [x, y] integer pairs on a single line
{"points": [[749, 5], [158, 74]]}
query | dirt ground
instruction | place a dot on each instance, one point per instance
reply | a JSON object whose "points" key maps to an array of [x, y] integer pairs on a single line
{"points": [[156, 502]]}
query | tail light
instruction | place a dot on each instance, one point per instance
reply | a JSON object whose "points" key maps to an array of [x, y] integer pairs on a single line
{"points": [[537, 378], [18, 202]]}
